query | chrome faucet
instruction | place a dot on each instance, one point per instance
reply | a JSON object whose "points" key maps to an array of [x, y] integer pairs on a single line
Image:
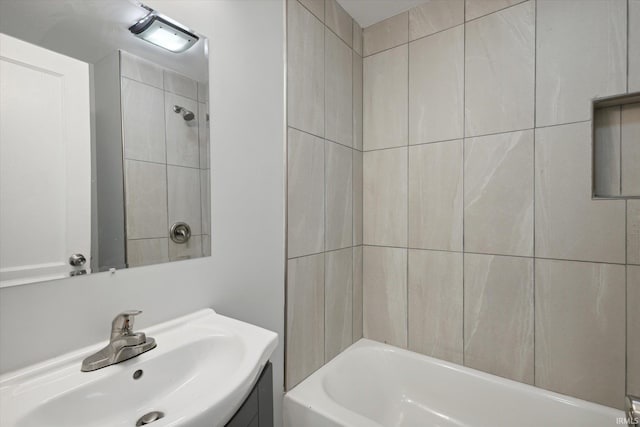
{"points": [[123, 345]]}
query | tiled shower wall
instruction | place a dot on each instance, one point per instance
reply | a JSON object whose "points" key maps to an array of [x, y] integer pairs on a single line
{"points": [[166, 162], [482, 244], [324, 209]]}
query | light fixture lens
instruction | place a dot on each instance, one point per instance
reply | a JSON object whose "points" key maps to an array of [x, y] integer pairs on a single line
{"points": [[165, 34]]}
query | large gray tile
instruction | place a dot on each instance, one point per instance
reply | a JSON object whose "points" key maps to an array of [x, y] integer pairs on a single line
{"points": [[147, 251], [433, 16], [630, 150], [385, 197], [580, 324], [477, 8], [435, 304], [498, 194], [184, 197], [385, 78], [435, 196], [384, 295], [607, 151], [146, 199], [203, 92], [357, 101], [357, 293], [180, 85], [498, 309], [386, 34], [188, 250], [305, 318], [305, 201], [203, 135], [143, 122], [338, 196], [315, 6], [499, 71], [183, 145], [338, 309], [633, 326], [634, 46], [357, 38], [338, 90], [633, 231], [357, 197], [305, 70], [436, 87], [568, 223], [141, 70], [580, 54], [339, 21], [206, 245], [205, 200]]}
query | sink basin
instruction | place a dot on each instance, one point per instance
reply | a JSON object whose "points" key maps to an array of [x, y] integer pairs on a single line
{"points": [[201, 371]]}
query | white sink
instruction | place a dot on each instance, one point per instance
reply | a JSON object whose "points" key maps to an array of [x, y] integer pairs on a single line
{"points": [[201, 371]]}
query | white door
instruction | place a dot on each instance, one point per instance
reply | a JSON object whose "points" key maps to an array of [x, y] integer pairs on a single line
{"points": [[45, 162]]}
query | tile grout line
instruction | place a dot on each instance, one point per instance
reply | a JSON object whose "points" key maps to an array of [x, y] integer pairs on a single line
{"points": [[285, 345], [165, 237], [626, 234], [324, 186], [464, 119], [533, 251], [433, 34], [353, 154], [361, 36], [479, 136], [436, 32], [407, 184], [384, 50], [165, 164], [322, 137], [324, 24], [501, 255], [170, 92], [410, 40], [495, 11]]}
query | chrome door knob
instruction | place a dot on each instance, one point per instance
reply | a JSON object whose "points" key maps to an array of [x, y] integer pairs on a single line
{"points": [[77, 260]]}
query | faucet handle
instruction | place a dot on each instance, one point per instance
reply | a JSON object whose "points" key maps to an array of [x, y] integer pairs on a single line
{"points": [[123, 323]]}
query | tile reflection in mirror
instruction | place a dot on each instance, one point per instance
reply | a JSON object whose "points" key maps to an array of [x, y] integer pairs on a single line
{"points": [[141, 148]]}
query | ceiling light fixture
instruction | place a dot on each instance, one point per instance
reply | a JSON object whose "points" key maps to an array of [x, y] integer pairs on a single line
{"points": [[161, 32]]}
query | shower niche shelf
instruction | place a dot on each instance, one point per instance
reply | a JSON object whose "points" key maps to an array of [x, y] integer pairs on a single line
{"points": [[616, 147]]}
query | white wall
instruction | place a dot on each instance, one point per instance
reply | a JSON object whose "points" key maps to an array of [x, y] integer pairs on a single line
{"points": [[245, 276]]}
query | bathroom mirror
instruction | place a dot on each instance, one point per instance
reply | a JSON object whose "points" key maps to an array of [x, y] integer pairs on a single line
{"points": [[104, 143]]}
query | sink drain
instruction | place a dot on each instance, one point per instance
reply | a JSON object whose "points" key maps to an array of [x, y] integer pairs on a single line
{"points": [[149, 418]]}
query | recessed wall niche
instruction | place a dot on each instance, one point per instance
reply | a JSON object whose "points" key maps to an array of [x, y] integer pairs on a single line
{"points": [[616, 147]]}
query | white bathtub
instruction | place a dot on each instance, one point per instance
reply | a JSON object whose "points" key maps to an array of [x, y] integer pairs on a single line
{"points": [[373, 385]]}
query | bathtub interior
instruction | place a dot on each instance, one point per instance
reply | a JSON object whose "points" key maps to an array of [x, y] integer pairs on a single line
{"points": [[396, 387], [369, 383]]}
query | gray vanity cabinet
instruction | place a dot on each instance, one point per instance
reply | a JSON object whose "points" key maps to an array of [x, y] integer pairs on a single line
{"points": [[257, 409]]}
